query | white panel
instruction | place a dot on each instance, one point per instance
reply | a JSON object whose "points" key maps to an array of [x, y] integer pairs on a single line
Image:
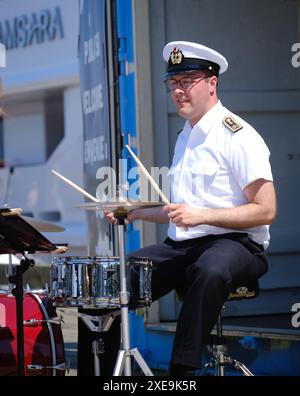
{"points": [[24, 139], [255, 36], [47, 61]]}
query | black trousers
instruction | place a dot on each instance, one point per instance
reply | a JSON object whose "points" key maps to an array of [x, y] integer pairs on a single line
{"points": [[202, 270]]}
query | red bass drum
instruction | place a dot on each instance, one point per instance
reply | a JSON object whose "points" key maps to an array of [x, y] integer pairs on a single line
{"points": [[44, 353]]}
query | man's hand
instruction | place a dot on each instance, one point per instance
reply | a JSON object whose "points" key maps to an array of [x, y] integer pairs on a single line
{"points": [[183, 215], [155, 215], [60, 250], [110, 217]]}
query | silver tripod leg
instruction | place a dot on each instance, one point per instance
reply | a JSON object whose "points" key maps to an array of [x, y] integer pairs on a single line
{"points": [[220, 366], [126, 340], [124, 356], [240, 366], [138, 358], [119, 364], [141, 362], [95, 347]]}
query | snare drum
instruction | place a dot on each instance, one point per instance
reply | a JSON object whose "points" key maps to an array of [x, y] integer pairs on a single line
{"points": [[94, 282], [44, 353]]}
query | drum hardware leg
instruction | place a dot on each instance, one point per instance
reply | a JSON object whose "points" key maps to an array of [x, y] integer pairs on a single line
{"points": [[98, 349], [35, 322], [219, 365], [104, 324], [220, 359], [61, 366], [17, 292], [219, 353], [239, 366], [119, 366], [123, 362], [104, 321], [140, 360]]}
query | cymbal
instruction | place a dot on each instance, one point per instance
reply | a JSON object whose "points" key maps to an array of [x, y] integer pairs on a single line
{"points": [[123, 205], [42, 226]]}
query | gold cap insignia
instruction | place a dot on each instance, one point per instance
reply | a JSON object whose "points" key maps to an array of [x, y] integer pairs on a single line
{"points": [[230, 123], [176, 56]]}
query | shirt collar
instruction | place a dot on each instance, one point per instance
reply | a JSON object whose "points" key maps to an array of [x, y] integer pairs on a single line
{"points": [[209, 118]]}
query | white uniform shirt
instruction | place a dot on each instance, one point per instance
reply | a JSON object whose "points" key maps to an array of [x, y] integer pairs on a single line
{"points": [[211, 168]]}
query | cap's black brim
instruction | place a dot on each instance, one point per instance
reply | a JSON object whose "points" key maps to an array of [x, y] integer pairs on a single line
{"points": [[190, 64]]}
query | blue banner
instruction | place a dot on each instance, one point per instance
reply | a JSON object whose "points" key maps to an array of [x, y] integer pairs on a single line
{"points": [[93, 69]]}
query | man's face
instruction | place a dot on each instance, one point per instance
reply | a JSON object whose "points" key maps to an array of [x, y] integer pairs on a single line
{"points": [[193, 94]]}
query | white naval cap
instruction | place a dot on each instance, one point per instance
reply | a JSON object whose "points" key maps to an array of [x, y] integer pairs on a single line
{"points": [[183, 56]]}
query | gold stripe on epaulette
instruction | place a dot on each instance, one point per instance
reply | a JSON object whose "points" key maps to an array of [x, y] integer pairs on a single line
{"points": [[230, 123]]}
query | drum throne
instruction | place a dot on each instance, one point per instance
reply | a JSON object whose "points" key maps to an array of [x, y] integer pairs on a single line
{"points": [[217, 343]]}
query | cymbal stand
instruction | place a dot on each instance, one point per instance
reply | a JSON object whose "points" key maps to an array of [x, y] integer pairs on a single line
{"points": [[18, 236], [17, 280], [124, 356]]}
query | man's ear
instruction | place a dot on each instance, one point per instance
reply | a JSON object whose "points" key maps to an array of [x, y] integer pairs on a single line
{"points": [[213, 84]]}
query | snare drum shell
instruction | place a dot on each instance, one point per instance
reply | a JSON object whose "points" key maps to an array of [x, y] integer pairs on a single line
{"points": [[85, 282], [94, 282], [43, 341]]}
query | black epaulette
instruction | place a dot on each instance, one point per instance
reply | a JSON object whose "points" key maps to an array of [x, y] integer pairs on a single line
{"points": [[231, 124]]}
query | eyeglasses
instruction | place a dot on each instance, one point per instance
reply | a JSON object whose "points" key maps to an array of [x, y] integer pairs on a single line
{"points": [[184, 83]]}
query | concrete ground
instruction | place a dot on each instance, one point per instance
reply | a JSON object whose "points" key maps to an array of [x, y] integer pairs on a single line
{"points": [[69, 330]]}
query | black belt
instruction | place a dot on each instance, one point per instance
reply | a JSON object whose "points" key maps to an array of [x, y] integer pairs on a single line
{"points": [[241, 237]]}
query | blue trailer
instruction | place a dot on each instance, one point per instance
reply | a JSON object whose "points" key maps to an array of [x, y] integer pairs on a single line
{"points": [[264, 332]]}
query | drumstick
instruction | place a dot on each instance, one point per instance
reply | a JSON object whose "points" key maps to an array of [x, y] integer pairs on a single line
{"points": [[152, 182], [147, 174], [12, 212], [72, 184], [75, 186]]}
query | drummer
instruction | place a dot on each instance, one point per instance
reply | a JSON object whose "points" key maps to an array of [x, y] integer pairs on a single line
{"points": [[223, 201]]}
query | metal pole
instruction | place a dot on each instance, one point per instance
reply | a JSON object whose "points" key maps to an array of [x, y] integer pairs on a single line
{"points": [[19, 316], [124, 297]]}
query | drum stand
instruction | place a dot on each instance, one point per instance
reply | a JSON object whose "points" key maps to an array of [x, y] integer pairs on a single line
{"points": [[124, 356], [104, 324]]}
